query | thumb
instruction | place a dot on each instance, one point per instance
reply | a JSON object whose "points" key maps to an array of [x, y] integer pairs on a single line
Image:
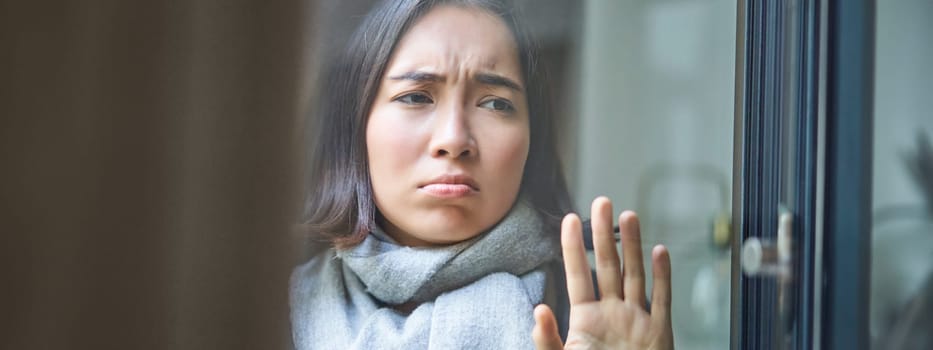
{"points": [[545, 333]]}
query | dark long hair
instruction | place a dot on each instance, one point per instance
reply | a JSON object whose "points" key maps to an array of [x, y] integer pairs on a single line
{"points": [[339, 207]]}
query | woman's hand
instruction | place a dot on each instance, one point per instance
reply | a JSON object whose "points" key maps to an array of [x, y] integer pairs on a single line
{"points": [[618, 320]]}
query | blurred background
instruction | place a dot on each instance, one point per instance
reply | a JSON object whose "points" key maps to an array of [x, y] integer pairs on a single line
{"points": [[655, 115], [148, 174], [902, 209], [151, 157]]}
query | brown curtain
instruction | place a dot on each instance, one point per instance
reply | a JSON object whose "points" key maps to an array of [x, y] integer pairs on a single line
{"points": [[149, 167]]}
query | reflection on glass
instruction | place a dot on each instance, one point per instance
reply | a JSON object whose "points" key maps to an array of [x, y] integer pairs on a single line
{"points": [[654, 133], [902, 232]]}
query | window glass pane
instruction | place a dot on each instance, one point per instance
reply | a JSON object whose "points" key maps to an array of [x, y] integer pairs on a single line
{"points": [[902, 231], [655, 134]]}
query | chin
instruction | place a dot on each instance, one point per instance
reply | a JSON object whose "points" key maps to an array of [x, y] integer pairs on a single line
{"points": [[446, 225], [444, 233]]}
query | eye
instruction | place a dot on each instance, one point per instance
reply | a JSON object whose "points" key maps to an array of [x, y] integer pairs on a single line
{"points": [[498, 104], [415, 98]]}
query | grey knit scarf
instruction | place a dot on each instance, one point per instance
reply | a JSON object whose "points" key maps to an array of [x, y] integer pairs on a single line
{"points": [[477, 294]]}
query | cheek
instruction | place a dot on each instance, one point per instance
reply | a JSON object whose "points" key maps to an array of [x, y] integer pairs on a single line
{"points": [[510, 152], [391, 148], [516, 156]]}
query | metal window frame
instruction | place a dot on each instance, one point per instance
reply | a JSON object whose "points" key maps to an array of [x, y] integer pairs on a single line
{"points": [[763, 101], [849, 140]]}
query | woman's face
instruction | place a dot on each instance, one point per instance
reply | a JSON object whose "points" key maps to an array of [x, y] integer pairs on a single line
{"points": [[448, 133]]}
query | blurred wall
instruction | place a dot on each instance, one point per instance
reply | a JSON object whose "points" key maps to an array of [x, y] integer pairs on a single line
{"points": [[149, 170]]}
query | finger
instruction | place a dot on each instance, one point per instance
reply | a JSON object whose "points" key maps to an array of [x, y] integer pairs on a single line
{"points": [[608, 268], [579, 281], [545, 333], [661, 286], [634, 276]]}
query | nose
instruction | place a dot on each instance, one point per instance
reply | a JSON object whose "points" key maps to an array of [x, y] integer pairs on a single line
{"points": [[452, 136]]}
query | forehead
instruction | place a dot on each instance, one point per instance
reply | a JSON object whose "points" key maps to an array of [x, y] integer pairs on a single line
{"points": [[451, 36]]}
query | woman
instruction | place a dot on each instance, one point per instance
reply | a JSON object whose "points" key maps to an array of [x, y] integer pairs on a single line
{"points": [[435, 179]]}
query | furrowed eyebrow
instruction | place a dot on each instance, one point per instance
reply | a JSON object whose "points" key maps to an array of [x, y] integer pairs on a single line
{"points": [[482, 78], [421, 77], [498, 80]]}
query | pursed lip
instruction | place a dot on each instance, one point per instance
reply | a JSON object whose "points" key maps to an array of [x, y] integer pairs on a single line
{"points": [[452, 179]]}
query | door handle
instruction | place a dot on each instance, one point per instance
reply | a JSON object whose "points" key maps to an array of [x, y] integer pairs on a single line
{"points": [[770, 258], [766, 257]]}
